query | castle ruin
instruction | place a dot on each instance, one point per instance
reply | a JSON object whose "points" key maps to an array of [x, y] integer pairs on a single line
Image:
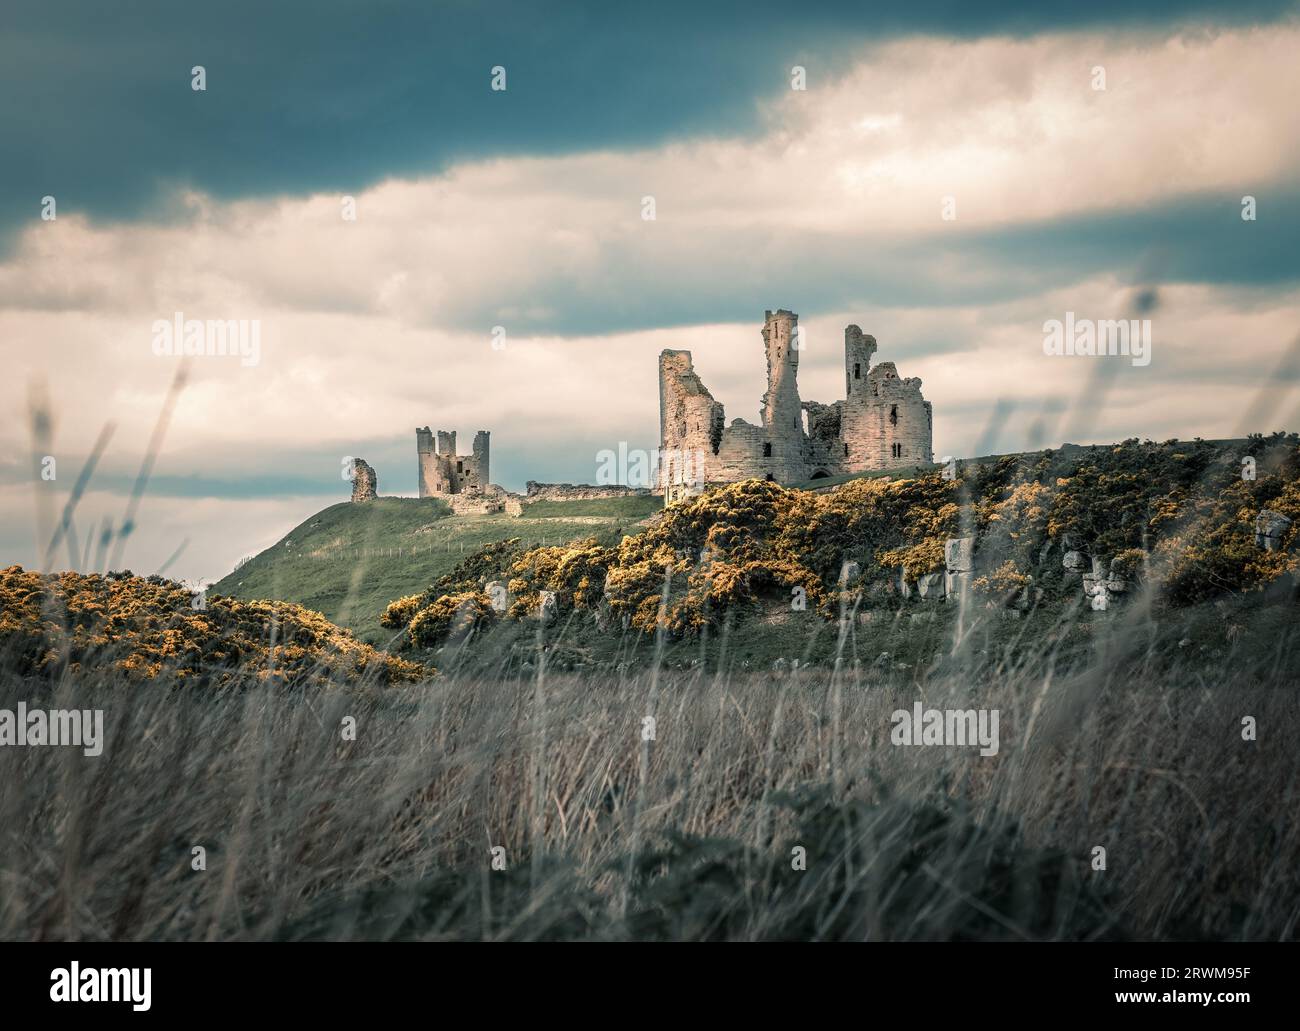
{"points": [[883, 421], [365, 484], [442, 471]]}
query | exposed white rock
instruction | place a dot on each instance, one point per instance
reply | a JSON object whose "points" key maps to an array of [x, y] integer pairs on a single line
{"points": [[930, 586], [1270, 530], [547, 608], [498, 595], [958, 554]]}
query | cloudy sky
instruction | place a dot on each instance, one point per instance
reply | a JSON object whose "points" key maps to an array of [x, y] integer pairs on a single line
{"points": [[523, 208]]}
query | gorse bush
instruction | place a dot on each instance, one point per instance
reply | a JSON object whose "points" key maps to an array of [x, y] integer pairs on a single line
{"points": [[450, 614], [399, 613], [738, 545], [1210, 548], [147, 626], [1181, 512], [574, 573], [482, 564], [1013, 521]]}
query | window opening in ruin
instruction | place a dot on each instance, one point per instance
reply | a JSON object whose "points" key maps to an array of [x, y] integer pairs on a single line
{"points": [[770, 477], [767, 452], [857, 371], [460, 467], [846, 451], [893, 415]]}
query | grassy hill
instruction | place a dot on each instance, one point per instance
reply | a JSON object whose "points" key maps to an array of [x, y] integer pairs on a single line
{"points": [[635, 507], [755, 566], [1176, 513], [349, 561]]}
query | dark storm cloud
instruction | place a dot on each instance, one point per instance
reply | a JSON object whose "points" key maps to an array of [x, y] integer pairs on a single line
{"points": [[96, 107], [1200, 239]]}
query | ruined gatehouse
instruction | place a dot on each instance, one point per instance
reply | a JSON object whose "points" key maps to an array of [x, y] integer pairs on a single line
{"points": [[442, 471]]}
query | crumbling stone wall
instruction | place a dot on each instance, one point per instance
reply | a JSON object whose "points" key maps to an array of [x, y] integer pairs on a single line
{"points": [[883, 422], [535, 491], [743, 453], [475, 504], [442, 471], [365, 484], [690, 425]]}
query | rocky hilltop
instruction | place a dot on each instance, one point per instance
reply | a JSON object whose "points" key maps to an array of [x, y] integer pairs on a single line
{"points": [[1176, 523]]}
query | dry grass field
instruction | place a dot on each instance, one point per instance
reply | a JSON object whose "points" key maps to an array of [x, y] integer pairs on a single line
{"points": [[502, 805]]}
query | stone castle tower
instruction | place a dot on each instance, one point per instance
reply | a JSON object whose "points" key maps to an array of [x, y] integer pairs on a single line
{"points": [[883, 421], [443, 471], [782, 412]]}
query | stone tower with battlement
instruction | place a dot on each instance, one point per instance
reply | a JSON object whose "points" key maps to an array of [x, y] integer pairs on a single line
{"points": [[882, 423], [443, 471]]}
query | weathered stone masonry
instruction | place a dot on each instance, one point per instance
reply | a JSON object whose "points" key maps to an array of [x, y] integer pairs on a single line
{"points": [[882, 423], [535, 491], [365, 484], [442, 471]]}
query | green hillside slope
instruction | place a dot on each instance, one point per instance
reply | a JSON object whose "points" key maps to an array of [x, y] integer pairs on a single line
{"points": [[349, 561]]}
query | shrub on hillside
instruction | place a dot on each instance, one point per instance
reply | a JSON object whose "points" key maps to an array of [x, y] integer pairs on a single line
{"points": [[574, 573], [1014, 521], [1119, 497], [148, 626], [490, 562], [1006, 582], [448, 615], [1182, 510], [399, 613], [1212, 550]]}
